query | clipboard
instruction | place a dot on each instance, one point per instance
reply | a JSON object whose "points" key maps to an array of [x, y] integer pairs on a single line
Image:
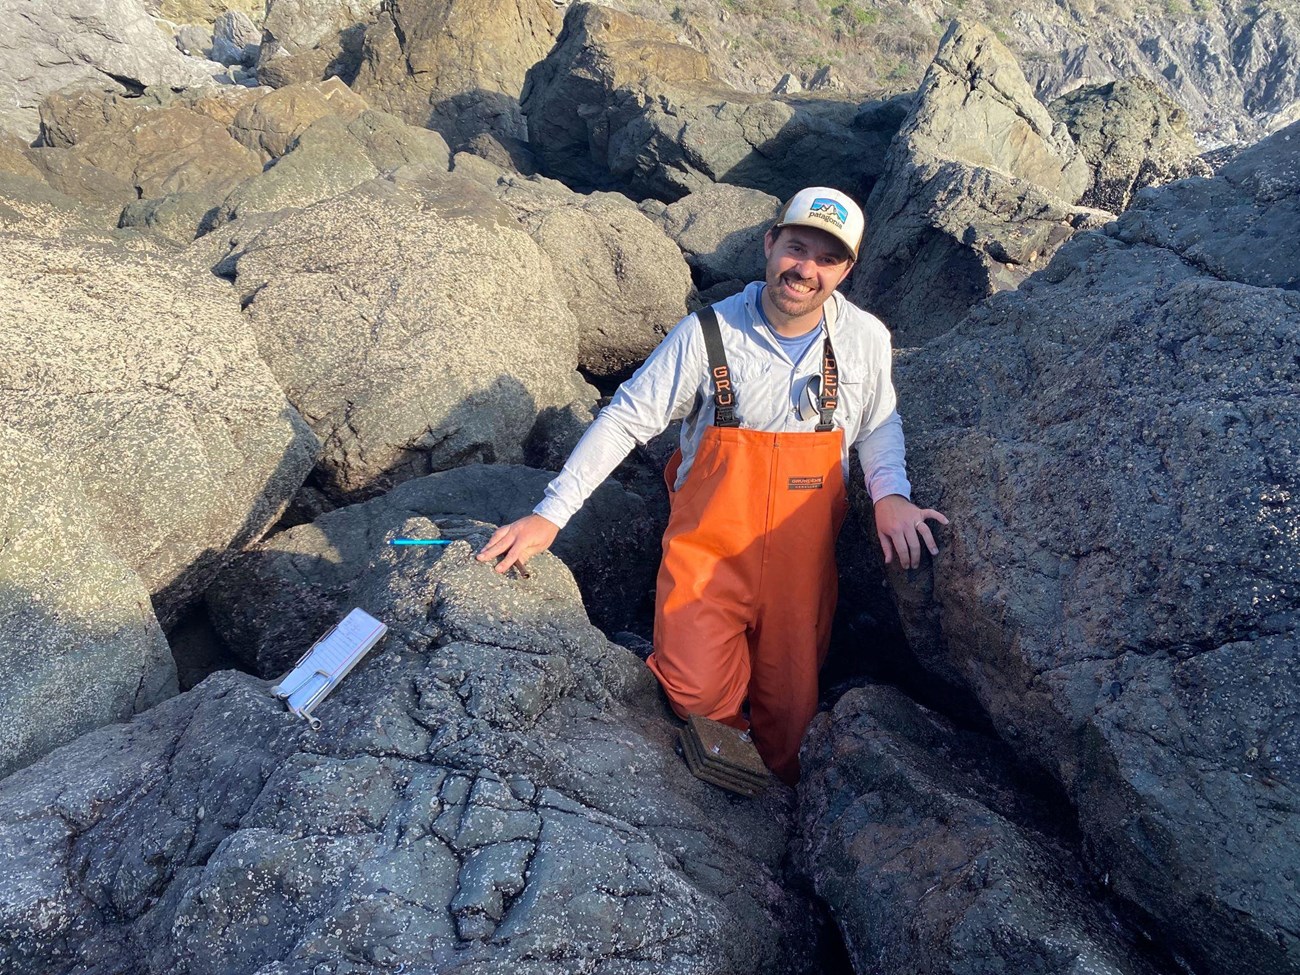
{"points": [[327, 662]]}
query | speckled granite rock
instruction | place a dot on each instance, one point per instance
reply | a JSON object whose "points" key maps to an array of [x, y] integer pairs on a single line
{"points": [[386, 315], [140, 380], [80, 646]]}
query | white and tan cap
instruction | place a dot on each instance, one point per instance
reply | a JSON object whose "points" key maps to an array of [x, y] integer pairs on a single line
{"points": [[825, 209]]}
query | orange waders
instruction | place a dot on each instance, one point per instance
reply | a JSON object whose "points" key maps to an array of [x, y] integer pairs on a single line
{"points": [[747, 585]]}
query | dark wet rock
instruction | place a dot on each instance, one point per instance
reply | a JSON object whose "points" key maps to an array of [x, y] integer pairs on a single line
{"points": [[1133, 136], [720, 230], [959, 215], [140, 380], [1116, 445], [456, 66], [385, 317], [922, 841], [620, 104], [81, 646], [466, 803], [294, 580]]}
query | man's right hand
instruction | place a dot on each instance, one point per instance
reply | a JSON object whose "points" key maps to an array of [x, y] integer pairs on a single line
{"points": [[519, 541]]}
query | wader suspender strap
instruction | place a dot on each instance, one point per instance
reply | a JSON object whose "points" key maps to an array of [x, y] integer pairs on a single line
{"points": [[830, 395], [724, 396]]}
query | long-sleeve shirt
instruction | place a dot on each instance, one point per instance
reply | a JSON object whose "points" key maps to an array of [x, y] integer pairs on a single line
{"points": [[674, 382]]}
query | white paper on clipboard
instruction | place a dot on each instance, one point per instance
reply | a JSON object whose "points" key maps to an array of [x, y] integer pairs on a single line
{"points": [[329, 660]]}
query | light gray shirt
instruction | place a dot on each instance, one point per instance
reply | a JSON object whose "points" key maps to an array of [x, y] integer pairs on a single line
{"points": [[674, 383]]}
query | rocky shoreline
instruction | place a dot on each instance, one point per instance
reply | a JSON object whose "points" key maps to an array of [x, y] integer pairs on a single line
{"points": [[375, 280]]}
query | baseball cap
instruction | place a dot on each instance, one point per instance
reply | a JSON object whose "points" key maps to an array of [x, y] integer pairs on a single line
{"points": [[825, 209]]}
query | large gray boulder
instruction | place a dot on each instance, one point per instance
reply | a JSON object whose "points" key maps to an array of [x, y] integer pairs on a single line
{"points": [[300, 575], [466, 803], [235, 39], [932, 857], [456, 66], [977, 193], [103, 44], [309, 40], [80, 645], [415, 325], [1133, 135], [720, 229], [1116, 445], [624, 280], [621, 104], [142, 383]]}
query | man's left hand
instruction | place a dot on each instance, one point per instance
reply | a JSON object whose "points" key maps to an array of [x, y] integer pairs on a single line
{"points": [[902, 529]]}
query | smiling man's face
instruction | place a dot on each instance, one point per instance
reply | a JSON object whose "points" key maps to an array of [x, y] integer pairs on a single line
{"points": [[804, 266]]}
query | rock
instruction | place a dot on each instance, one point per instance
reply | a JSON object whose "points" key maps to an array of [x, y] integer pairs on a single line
{"points": [[1133, 135], [194, 40], [619, 104], [15, 158], [720, 231], [309, 40], [140, 381], [1116, 446], [205, 11], [466, 803], [177, 217], [922, 842], [622, 278], [102, 194], [270, 125], [171, 150], [387, 317], [456, 66], [959, 215], [82, 648], [301, 574], [112, 45], [234, 39], [332, 156]]}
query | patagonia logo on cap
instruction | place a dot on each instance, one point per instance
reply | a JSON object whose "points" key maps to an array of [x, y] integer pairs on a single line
{"points": [[805, 483], [829, 210]]}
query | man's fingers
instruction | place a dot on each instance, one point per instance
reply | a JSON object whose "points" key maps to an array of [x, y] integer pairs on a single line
{"points": [[923, 530], [497, 544], [938, 516], [887, 548], [913, 550]]}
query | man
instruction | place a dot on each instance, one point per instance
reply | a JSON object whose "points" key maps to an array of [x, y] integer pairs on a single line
{"points": [[775, 384]]}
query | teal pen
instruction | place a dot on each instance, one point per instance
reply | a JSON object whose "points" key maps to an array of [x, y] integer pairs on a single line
{"points": [[420, 541]]}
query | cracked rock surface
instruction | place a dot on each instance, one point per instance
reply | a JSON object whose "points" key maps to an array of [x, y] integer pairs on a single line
{"points": [[494, 789], [1117, 447]]}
